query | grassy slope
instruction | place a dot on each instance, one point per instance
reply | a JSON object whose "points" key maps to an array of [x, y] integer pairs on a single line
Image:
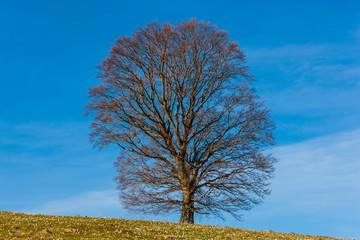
{"points": [[28, 226]]}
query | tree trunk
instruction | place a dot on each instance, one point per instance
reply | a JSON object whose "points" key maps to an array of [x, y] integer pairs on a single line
{"points": [[187, 211]]}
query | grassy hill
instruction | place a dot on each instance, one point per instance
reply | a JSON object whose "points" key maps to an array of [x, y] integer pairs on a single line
{"points": [[29, 226]]}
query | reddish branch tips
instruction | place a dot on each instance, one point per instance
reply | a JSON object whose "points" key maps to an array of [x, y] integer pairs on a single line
{"points": [[178, 102]]}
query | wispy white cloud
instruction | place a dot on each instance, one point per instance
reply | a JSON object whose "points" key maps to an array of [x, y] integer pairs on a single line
{"points": [[324, 166], [56, 170], [290, 52], [47, 142], [34, 136], [333, 61], [356, 34], [90, 203], [41, 161], [312, 89], [311, 66], [303, 54], [315, 181], [103, 203]]}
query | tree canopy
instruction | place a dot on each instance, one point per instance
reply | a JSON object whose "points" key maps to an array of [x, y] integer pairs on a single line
{"points": [[178, 101]]}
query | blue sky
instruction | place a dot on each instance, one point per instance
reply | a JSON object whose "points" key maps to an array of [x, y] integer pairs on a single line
{"points": [[304, 54]]}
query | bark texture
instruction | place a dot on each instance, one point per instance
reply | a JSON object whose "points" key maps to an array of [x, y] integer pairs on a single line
{"points": [[188, 208]]}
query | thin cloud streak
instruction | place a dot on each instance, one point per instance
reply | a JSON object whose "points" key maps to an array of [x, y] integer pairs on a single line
{"points": [[103, 203], [308, 77], [325, 166], [42, 161], [91, 203], [311, 89], [315, 181]]}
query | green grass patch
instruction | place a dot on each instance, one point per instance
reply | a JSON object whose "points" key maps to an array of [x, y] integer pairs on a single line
{"points": [[34, 226]]}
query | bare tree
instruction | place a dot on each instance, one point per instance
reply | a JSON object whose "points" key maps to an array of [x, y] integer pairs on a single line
{"points": [[178, 102]]}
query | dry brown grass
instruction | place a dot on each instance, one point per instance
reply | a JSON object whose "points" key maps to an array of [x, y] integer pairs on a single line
{"points": [[29, 226]]}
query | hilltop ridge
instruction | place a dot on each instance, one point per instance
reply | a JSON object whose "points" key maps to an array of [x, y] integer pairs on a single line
{"points": [[36, 226]]}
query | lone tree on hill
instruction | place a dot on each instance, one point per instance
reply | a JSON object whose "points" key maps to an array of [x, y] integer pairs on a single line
{"points": [[178, 102]]}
